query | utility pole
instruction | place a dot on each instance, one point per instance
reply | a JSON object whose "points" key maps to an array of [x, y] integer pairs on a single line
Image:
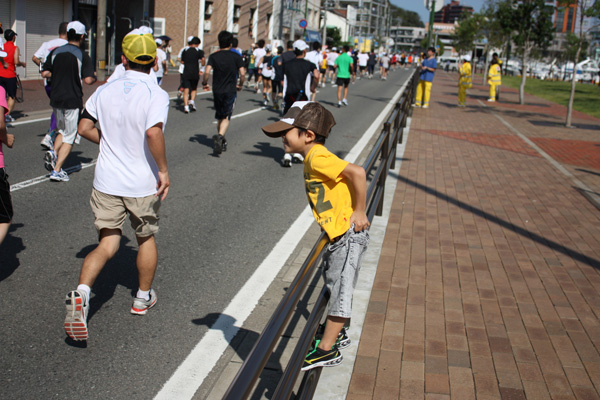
{"points": [[431, 19], [101, 41]]}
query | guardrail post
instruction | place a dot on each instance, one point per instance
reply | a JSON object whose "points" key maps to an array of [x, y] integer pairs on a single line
{"points": [[385, 152]]}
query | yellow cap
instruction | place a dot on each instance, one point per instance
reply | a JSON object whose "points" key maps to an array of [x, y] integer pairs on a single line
{"points": [[139, 45]]}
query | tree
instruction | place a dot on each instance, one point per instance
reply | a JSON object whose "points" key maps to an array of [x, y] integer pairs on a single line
{"points": [[407, 18], [441, 48], [334, 37], [529, 23], [587, 8]]}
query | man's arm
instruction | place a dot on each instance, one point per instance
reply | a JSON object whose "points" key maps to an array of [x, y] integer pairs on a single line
{"points": [[87, 128], [16, 57], [357, 178], [242, 75], [156, 144], [205, 84], [7, 138]]}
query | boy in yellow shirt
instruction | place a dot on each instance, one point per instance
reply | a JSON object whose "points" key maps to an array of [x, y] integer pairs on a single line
{"points": [[337, 192], [464, 82]]}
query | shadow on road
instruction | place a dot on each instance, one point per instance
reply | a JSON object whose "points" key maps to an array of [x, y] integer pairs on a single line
{"points": [[266, 149], [9, 249]]}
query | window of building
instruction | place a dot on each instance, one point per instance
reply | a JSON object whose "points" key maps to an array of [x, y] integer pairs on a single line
{"points": [[158, 26], [251, 21], [208, 11]]}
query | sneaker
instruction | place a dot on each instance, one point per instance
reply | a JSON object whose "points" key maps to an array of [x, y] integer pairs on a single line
{"points": [[342, 341], [491, 100], [218, 144], [9, 118], [141, 306], [297, 158], [50, 160], [60, 176], [345, 102], [415, 105], [322, 358], [186, 109], [77, 312], [258, 91], [425, 106], [179, 94], [265, 102], [275, 106], [192, 107], [224, 144], [339, 104], [286, 161], [47, 142]]}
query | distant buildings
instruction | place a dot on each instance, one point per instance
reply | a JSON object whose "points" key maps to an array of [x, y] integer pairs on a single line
{"points": [[452, 12]]}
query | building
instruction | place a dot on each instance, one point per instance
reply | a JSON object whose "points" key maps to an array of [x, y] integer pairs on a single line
{"points": [[373, 19], [452, 12], [37, 21], [296, 14], [565, 18], [407, 38]]}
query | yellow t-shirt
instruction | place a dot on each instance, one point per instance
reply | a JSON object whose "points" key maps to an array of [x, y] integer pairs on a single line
{"points": [[327, 191]]}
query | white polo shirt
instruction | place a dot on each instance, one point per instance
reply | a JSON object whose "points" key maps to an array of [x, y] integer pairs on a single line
{"points": [[160, 57], [125, 109], [119, 72]]}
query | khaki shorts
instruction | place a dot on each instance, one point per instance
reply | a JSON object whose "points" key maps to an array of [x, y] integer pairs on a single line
{"points": [[110, 212]]}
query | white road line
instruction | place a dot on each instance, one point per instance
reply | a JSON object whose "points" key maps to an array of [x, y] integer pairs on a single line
{"points": [[246, 113], [188, 377], [44, 178]]}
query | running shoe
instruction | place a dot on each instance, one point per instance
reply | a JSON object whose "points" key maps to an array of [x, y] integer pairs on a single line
{"points": [[224, 145], [77, 312], [192, 107], [297, 158], [47, 142], [345, 102], [218, 144], [339, 104], [425, 107], [141, 306], [60, 176], [322, 358], [286, 161], [8, 118], [342, 341], [50, 160], [186, 109]]}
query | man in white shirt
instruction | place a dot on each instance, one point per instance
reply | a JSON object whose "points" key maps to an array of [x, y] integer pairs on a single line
{"points": [[39, 58], [363, 59], [258, 54], [331, 57], [161, 61], [131, 175], [316, 58]]}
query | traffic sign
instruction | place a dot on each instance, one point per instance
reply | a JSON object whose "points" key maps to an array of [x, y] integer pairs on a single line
{"points": [[438, 4], [303, 23]]}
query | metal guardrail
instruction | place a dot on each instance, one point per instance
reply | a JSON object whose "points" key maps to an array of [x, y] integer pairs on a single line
{"points": [[380, 160]]}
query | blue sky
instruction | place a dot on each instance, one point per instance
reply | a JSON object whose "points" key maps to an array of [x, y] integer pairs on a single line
{"points": [[419, 7]]}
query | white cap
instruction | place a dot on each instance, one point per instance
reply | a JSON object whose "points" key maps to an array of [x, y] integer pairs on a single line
{"points": [[137, 31], [467, 57], [268, 47], [300, 45], [77, 26], [190, 38], [145, 29], [334, 48], [158, 41]]}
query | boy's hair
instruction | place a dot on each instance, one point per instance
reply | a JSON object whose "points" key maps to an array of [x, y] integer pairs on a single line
{"points": [[234, 42], [346, 48], [195, 40], [431, 49], [290, 44], [225, 39], [145, 68], [261, 43], [298, 52], [316, 46], [320, 139]]}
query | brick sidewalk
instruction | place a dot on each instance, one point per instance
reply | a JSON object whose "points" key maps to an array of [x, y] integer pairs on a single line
{"points": [[489, 278]]}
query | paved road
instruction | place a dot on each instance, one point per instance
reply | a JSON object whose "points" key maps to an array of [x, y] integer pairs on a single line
{"points": [[222, 217]]}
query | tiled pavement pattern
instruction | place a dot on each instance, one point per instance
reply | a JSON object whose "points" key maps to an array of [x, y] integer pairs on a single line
{"points": [[489, 278]]}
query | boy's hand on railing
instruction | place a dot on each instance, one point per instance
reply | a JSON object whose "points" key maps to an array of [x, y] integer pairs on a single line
{"points": [[360, 221]]}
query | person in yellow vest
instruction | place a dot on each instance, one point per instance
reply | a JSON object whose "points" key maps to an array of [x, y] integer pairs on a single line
{"points": [[464, 82], [494, 78]]}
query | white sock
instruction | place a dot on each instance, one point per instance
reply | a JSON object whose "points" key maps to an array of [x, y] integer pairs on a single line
{"points": [[85, 289], [192, 102], [143, 294]]}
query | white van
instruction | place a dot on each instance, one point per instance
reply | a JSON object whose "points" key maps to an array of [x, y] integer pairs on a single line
{"points": [[447, 63]]}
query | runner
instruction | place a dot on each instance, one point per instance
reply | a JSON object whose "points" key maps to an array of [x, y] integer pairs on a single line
{"points": [[385, 66], [316, 58], [161, 61], [6, 207], [277, 78], [267, 73], [258, 54], [191, 58], [363, 59], [67, 65], [227, 66], [8, 74], [343, 65], [131, 176], [300, 76], [39, 58], [331, 57]]}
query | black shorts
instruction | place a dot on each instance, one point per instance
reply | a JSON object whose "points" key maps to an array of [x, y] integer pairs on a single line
{"points": [[10, 86], [342, 81], [224, 103], [322, 70], [191, 84], [277, 86], [6, 208], [289, 99], [331, 67]]}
